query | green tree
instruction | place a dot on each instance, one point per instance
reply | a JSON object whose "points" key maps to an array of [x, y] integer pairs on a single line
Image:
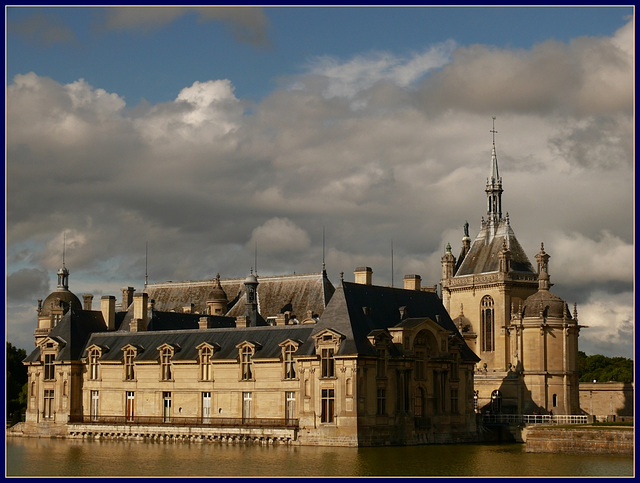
{"points": [[16, 383], [604, 369]]}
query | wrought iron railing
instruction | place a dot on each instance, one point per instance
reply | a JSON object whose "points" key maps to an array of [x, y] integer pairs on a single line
{"points": [[534, 419], [188, 421]]}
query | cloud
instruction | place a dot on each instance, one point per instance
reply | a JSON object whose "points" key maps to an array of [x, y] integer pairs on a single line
{"points": [[28, 283], [375, 149], [44, 29], [248, 25]]}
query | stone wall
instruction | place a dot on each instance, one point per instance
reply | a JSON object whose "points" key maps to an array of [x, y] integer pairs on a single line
{"points": [[579, 440], [607, 399]]}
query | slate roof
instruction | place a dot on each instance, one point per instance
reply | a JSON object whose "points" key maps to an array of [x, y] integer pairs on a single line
{"points": [[356, 310], [160, 321], [276, 294], [267, 340], [483, 254], [73, 331]]}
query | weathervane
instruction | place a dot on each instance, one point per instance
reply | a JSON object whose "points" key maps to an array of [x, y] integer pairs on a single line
{"points": [[493, 130]]}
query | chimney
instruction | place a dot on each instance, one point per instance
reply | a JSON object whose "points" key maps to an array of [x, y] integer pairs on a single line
{"points": [[363, 275], [127, 297], [412, 282], [243, 321], [140, 318], [282, 319], [205, 323], [108, 308], [87, 298]]}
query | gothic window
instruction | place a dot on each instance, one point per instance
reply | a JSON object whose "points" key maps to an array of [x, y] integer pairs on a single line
{"points": [[165, 364], [246, 363], [328, 406], [206, 353], [49, 370], [129, 374], [289, 363], [327, 363], [487, 324]]}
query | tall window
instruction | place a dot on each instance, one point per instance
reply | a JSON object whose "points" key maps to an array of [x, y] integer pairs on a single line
{"points": [[48, 404], [246, 405], [206, 353], [496, 401], [381, 401], [93, 410], [246, 363], [328, 406], [49, 370], [290, 405], [206, 407], [289, 364], [165, 363], [487, 324], [94, 367], [327, 363], [454, 401], [166, 407], [130, 405], [129, 355], [418, 403]]}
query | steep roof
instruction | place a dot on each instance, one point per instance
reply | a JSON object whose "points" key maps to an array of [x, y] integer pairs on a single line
{"points": [[483, 254], [276, 294], [358, 309], [267, 340]]}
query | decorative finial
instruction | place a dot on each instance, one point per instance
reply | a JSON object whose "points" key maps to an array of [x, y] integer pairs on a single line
{"points": [[448, 247], [507, 217], [341, 277], [575, 311], [466, 228]]}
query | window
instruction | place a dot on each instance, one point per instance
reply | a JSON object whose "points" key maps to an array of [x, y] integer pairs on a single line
{"points": [[130, 405], [165, 363], [381, 363], [129, 355], [382, 401], [94, 367], [166, 407], [49, 370], [290, 405], [420, 364], [487, 324], [555, 400], [327, 363], [418, 403], [289, 363], [328, 405], [496, 401], [93, 410], [246, 405], [206, 353], [454, 401], [206, 407], [47, 412], [246, 363]]}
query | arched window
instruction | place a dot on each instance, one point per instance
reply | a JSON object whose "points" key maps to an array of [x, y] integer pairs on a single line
{"points": [[496, 401], [487, 324]]}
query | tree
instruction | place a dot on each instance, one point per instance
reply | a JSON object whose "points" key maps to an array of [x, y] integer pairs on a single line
{"points": [[16, 383], [604, 369]]}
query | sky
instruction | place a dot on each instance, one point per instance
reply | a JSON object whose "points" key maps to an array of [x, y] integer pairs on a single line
{"points": [[179, 143]]}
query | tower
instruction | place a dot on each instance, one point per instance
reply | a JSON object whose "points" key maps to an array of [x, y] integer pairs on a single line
{"points": [[251, 304]]}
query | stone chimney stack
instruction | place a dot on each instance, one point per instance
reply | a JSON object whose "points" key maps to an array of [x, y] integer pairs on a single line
{"points": [[127, 297], [108, 308], [412, 282], [87, 298], [363, 275], [140, 318]]}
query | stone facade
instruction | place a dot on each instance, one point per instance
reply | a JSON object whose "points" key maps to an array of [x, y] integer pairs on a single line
{"points": [[525, 336], [375, 366], [607, 400]]}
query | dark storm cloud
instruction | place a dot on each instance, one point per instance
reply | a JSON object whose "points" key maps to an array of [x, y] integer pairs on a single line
{"points": [[28, 284]]}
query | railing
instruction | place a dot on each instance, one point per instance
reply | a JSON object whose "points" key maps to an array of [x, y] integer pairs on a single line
{"points": [[533, 419], [188, 421]]}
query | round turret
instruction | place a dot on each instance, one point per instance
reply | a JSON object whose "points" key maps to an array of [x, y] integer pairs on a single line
{"points": [[544, 301]]}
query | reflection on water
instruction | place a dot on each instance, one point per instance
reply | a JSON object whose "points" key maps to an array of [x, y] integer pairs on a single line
{"points": [[58, 457]]}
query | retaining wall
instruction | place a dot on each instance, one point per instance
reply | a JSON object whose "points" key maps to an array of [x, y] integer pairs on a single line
{"points": [[579, 440]]}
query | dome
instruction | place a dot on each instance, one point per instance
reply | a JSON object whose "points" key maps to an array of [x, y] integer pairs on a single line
{"points": [[251, 279], [60, 298], [218, 293], [551, 304]]}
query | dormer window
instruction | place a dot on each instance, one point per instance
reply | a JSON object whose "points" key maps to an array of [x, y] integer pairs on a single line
{"points": [[49, 370], [327, 362], [327, 343], [129, 356], [289, 363], [205, 357], [94, 365], [166, 354], [246, 363]]}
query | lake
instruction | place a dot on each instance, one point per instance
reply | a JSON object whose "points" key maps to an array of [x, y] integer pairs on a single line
{"points": [[66, 457]]}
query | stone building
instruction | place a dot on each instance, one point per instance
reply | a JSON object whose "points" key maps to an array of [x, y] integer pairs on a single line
{"points": [[280, 359], [525, 336]]}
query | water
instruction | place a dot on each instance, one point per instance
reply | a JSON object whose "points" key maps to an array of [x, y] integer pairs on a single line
{"points": [[59, 457]]}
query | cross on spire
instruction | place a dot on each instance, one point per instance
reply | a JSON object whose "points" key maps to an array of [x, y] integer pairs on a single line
{"points": [[493, 130]]}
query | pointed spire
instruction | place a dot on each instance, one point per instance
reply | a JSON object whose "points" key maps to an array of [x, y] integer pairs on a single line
{"points": [[494, 186], [63, 273]]}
